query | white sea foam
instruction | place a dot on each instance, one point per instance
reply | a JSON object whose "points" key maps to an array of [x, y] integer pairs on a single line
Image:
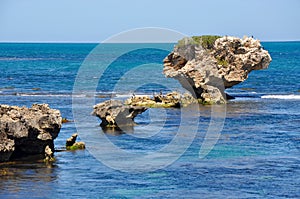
{"points": [[20, 59], [49, 95], [123, 96], [286, 97]]}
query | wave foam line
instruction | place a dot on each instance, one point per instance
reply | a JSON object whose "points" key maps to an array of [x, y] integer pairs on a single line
{"points": [[297, 97]]}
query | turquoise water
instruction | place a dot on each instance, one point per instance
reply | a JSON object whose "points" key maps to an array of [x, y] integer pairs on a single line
{"points": [[256, 155]]}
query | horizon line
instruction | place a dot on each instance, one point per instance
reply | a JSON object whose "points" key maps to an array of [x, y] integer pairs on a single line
{"points": [[138, 42]]}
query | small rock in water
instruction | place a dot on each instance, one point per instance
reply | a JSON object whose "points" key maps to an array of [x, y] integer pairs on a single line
{"points": [[71, 143], [65, 120]]}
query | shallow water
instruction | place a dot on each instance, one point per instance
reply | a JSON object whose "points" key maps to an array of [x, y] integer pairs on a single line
{"points": [[257, 153]]}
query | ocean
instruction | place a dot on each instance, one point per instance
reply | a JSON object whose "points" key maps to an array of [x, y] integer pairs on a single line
{"points": [[248, 148]]}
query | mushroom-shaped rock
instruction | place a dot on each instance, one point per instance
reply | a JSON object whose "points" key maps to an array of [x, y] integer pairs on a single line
{"points": [[207, 65]]}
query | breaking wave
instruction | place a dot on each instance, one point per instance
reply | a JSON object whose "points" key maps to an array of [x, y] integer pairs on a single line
{"points": [[286, 97]]}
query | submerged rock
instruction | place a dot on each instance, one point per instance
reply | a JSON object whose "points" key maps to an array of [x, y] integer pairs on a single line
{"points": [[27, 131], [77, 146], [113, 113], [207, 65]]}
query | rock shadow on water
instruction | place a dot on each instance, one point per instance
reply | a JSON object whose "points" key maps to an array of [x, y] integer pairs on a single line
{"points": [[18, 177], [117, 131]]}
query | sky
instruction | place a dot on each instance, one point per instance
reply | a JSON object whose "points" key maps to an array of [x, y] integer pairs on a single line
{"points": [[97, 20]]}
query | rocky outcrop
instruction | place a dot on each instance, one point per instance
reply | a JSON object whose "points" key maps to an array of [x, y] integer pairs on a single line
{"points": [[170, 100], [27, 131], [113, 113], [157, 101], [206, 66]]}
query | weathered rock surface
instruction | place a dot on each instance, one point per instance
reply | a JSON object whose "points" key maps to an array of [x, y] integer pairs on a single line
{"points": [[113, 113], [170, 100], [27, 131], [206, 71], [165, 101]]}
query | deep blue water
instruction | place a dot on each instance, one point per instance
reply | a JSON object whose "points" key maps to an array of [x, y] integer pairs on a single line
{"points": [[256, 154]]}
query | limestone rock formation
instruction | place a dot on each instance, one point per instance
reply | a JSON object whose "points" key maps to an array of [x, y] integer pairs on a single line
{"points": [[113, 113], [207, 65], [27, 131]]}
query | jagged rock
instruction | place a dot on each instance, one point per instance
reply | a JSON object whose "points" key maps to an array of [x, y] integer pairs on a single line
{"points": [[27, 131], [113, 113], [71, 143], [207, 70]]}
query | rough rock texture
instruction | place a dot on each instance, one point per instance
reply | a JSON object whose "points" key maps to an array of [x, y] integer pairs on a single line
{"points": [[170, 100], [165, 101], [207, 72], [113, 113], [27, 131]]}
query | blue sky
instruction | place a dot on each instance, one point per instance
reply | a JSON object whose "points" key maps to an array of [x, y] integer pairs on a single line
{"points": [[96, 20]]}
